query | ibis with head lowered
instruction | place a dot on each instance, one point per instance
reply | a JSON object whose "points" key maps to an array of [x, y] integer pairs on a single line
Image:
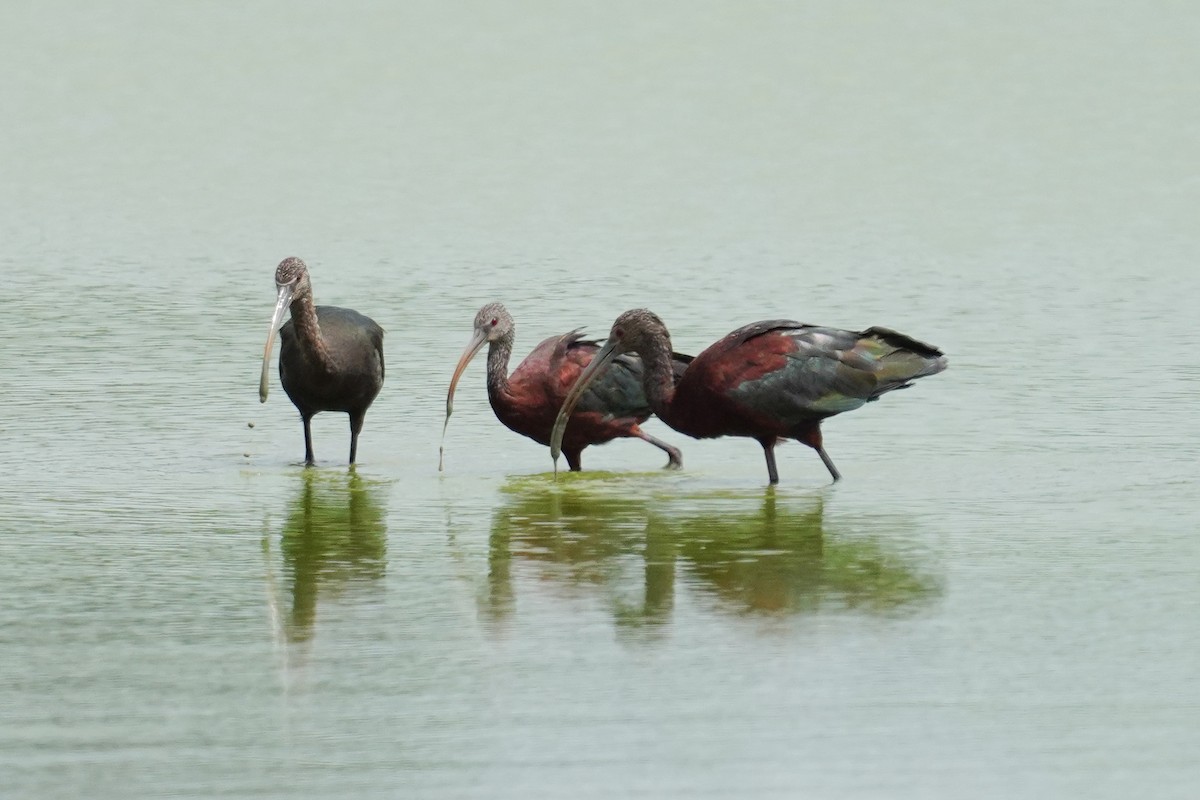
{"points": [[769, 380], [527, 401]]}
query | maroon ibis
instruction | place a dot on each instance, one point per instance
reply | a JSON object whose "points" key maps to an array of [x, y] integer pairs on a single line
{"points": [[769, 380], [528, 400]]}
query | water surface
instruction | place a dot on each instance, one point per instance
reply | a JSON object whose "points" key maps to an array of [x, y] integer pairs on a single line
{"points": [[999, 599]]}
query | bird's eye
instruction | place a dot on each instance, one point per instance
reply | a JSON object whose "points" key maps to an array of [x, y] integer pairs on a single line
{"points": [[619, 333], [494, 321]]}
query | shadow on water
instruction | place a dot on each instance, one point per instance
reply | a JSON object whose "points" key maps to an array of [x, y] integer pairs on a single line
{"points": [[333, 537], [758, 555]]}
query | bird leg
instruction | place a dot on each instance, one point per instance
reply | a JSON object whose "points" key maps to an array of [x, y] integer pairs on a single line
{"points": [[356, 425], [308, 453], [811, 436], [574, 459], [768, 446], [674, 456], [837, 476]]}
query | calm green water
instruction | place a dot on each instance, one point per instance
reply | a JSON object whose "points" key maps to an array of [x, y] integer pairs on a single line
{"points": [[1000, 600]]}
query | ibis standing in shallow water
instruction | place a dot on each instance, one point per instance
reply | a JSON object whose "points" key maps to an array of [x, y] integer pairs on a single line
{"points": [[330, 359], [528, 400], [769, 380]]}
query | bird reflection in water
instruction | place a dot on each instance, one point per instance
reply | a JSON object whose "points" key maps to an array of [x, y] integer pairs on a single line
{"points": [[577, 537], [784, 558], [749, 556], [333, 540]]}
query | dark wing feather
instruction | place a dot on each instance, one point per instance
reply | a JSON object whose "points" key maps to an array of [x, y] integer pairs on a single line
{"points": [[825, 371], [357, 340], [833, 370], [618, 393], [755, 329], [679, 364]]}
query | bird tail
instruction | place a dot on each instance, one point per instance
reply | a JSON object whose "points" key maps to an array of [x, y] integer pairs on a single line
{"points": [[899, 359]]}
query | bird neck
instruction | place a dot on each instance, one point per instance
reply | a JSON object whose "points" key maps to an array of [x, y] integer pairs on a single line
{"points": [[497, 367], [308, 333], [658, 378]]}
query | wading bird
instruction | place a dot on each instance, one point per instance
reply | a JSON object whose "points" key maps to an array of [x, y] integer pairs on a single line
{"points": [[769, 380], [528, 400], [330, 359]]}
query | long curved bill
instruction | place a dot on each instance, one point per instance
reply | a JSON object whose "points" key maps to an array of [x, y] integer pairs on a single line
{"points": [[478, 339], [281, 305], [599, 363]]}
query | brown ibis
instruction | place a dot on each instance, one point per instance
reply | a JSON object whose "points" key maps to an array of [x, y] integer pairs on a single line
{"points": [[330, 358]]}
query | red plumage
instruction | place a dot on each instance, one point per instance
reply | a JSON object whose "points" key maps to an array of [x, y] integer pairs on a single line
{"points": [[528, 400], [767, 381]]}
